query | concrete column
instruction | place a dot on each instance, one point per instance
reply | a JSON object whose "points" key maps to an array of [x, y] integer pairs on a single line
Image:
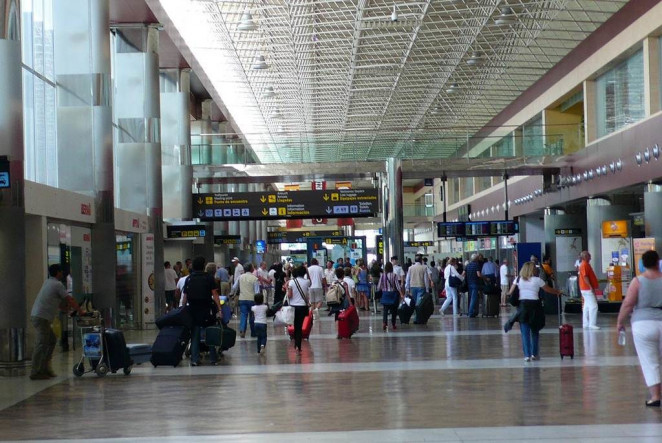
{"points": [[12, 210], [393, 242], [652, 75], [138, 135], [84, 126], [652, 211], [177, 173], [244, 231]]}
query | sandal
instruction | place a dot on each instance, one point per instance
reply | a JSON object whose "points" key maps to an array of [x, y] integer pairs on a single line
{"points": [[653, 403]]}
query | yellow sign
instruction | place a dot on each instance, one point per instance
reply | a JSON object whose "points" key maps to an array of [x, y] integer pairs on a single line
{"points": [[272, 198], [335, 197], [282, 211], [343, 185], [209, 200], [615, 229], [292, 187]]}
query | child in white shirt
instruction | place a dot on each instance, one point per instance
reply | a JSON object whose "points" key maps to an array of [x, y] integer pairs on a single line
{"points": [[260, 312]]}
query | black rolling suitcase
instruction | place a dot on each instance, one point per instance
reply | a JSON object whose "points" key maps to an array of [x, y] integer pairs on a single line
{"points": [[169, 346], [424, 309], [491, 305], [405, 312], [176, 317], [116, 354]]}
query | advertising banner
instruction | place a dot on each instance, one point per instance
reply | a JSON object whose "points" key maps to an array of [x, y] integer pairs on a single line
{"points": [[147, 285]]}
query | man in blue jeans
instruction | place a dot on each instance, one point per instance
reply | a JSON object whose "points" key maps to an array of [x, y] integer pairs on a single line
{"points": [[247, 285], [417, 279], [473, 277]]}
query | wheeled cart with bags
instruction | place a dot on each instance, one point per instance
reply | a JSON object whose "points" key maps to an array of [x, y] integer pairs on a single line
{"points": [[105, 350]]}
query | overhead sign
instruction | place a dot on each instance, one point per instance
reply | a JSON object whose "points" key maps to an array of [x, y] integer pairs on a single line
{"points": [[278, 237], [220, 240], [379, 243], [569, 232], [4, 173], [418, 244], [186, 231], [286, 205], [478, 229]]}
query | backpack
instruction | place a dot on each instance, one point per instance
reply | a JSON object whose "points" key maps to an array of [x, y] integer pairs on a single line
{"points": [[335, 294], [197, 287]]}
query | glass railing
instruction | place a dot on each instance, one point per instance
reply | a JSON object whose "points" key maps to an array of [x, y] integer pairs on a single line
{"points": [[418, 211]]}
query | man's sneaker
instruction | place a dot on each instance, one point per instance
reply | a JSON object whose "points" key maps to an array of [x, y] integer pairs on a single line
{"points": [[262, 348], [527, 359], [594, 327]]}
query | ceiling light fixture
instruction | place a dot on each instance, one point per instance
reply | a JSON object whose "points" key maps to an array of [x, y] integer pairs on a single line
{"points": [[246, 23], [436, 110], [474, 59], [452, 88], [394, 15], [276, 115], [507, 17], [260, 63], [268, 92]]}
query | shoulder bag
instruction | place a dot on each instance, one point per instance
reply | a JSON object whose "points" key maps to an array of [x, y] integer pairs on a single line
{"points": [[514, 297]]}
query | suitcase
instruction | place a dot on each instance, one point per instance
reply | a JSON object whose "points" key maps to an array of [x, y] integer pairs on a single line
{"points": [[405, 312], [139, 352], [566, 337], [115, 352], [348, 322], [220, 336], [305, 328], [169, 346], [176, 317], [491, 305], [226, 310], [424, 309]]}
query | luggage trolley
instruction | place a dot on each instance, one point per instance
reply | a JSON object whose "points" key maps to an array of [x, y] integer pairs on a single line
{"points": [[94, 346]]}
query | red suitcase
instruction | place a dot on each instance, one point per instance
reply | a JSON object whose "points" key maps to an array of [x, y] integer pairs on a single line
{"points": [[348, 322], [566, 337], [305, 328]]}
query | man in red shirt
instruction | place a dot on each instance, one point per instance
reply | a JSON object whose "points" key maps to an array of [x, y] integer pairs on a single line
{"points": [[588, 284]]}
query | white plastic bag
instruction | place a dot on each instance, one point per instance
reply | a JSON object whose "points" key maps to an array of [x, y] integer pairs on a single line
{"points": [[285, 316]]}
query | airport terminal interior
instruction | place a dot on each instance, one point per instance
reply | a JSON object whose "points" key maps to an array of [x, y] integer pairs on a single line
{"points": [[135, 133]]}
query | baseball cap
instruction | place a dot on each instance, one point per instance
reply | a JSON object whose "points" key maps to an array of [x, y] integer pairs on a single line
{"points": [[235, 259]]}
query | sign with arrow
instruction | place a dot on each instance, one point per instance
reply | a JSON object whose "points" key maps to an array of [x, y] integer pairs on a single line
{"points": [[278, 237], [286, 204]]}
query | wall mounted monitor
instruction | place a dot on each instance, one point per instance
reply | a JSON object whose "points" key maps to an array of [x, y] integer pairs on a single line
{"points": [[505, 227], [477, 229]]}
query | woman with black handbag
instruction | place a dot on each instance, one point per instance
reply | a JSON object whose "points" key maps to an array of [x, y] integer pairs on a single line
{"points": [[530, 313], [297, 294], [389, 284]]}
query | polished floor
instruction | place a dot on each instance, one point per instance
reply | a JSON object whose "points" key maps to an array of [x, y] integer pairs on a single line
{"points": [[456, 379]]}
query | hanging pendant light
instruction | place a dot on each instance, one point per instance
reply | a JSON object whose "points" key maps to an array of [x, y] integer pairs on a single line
{"points": [[246, 23], [269, 92], [475, 59], [260, 63], [507, 17], [452, 88]]}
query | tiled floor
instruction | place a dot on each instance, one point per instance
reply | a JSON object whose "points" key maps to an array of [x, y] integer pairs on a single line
{"points": [[452, 380]]}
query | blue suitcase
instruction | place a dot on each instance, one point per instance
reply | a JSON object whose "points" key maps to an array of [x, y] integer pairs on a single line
{"points": [[139, 352]]}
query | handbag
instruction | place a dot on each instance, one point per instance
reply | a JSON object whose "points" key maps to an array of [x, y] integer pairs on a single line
{"points": [[454, 282], [514, 297], [285, 316]]}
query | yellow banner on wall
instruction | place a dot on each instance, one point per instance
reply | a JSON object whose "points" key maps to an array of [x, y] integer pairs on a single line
{"points": [[641, 245]]}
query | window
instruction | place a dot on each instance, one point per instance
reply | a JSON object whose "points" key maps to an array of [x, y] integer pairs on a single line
{"points": [[532, 137], [620, 95], [39, 103]]}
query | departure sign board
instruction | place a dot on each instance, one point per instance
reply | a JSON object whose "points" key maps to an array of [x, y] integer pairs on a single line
{"points": [[286, 205], [477, 229], [186, 231], [279, 237], [232, 240], [418, 244], [451, 229]]}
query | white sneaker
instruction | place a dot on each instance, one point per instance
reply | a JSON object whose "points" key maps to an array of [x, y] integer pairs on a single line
{"points": [[594, 327], [441, 312], [527, 359]]}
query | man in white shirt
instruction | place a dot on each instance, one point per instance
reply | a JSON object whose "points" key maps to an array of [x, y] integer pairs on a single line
{"points": [[180, 289], [266, 283], [317, 283], [170, 286], [505, 281], [329, 274], [397, 270], [238, 270]]}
